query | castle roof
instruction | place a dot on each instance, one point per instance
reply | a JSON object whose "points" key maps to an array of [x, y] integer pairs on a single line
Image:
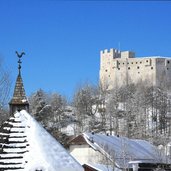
{"points": [[26, 145]]}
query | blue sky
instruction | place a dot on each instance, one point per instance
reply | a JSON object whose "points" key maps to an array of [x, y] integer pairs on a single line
{"points": [[62, 39]]}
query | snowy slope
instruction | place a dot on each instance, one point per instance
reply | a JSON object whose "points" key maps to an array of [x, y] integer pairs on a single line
{"points": [[41, 150]]}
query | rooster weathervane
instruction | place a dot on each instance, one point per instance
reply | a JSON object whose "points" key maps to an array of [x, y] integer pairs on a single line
{"points": [[19, 61]]}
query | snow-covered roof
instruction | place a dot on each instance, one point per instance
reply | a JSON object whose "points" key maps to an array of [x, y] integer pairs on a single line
{"points": [[123, 150], [26, 145]]}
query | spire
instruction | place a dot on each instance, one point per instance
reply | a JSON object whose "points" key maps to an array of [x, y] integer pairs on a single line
{"points": [[19, 100]]}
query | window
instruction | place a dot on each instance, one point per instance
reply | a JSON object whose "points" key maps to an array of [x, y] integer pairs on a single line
{"points": [[151, 67], [123, 63], [146, 60], [106, 70], [140, 62], [128, 67], [118, 68], [109, 75], [138, 67], [138, 72], [168, 62], [132, 63], [136, 62]]}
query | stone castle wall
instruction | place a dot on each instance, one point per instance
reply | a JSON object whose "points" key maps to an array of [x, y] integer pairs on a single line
{"points": [[122, 68]]}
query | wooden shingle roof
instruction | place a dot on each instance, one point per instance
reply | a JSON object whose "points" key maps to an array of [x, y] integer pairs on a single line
{"points": [[25, 145], [19, 96], [13, 145]]}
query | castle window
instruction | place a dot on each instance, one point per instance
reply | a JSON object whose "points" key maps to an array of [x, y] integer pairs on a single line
{"points": [[113, 67], [106, 70], [109, 75], [138, 67], [140, 62], [128, 67], [167, 68], [118, 68], [138, 72], [123, 63], [146, 60], [136, 62], [168, 62], [151, 67], [128, 63], [132, 63]]}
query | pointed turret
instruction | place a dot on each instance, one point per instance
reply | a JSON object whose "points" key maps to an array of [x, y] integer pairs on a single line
{"points": [[19, 100], [25, 144]]}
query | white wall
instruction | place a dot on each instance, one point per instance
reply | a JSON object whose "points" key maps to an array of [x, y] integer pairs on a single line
{"points": [[85, 154]]}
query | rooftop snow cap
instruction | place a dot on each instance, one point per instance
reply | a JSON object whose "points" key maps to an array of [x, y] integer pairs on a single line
{"points": [[26, 146], [19, 100]]}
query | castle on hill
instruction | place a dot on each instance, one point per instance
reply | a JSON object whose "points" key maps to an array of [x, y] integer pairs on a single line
{"points": [[121, 68]]}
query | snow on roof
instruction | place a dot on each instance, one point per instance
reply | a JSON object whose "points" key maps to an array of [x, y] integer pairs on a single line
{"points": [[124, 150], [32, 147]]}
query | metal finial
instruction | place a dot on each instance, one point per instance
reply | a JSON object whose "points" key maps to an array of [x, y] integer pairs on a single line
{"points": [[19, 61]]}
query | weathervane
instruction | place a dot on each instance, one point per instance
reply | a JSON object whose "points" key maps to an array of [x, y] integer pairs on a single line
{"points": [[19, 61]]}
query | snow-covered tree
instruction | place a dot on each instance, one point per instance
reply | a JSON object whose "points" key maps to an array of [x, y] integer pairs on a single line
{"points": [[86, 102], [38, 101], [49, 110], [39, 106], [58, 104], [137, 111]]}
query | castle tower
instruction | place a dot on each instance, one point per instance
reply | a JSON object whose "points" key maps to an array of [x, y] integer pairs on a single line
{"points": [[19, 100]]}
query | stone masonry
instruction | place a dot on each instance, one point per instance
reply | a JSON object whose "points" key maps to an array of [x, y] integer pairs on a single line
{"points": [[122, 68]]}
